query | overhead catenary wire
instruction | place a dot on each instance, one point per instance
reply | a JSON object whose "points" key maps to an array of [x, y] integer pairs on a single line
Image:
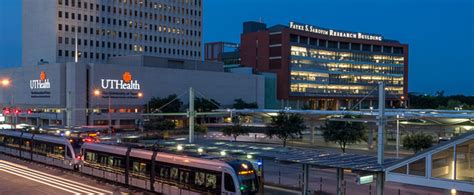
{"points": [[177, 97]]}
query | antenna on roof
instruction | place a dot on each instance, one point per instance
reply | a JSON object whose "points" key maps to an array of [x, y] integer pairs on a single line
{"points": [[76, 56]]}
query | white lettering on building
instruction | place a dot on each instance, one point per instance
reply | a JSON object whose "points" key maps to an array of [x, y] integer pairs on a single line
{"points": [[313, 29], [40, 84], [119, 84]]}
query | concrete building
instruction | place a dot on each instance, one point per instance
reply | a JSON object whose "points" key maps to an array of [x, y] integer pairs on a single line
{"points": [[52, 29], [81, 94]]}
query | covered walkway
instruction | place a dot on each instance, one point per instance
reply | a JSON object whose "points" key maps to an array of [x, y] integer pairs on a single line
{"points": [[449, 166]]}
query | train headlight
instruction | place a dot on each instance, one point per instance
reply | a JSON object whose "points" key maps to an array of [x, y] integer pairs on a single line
{"points": [[223, 153], [200, 150], [249, 156], [67, 133], [179, 147]]}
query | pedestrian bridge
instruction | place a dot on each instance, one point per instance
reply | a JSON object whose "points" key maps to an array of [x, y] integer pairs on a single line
{"points": [[449, 165]]}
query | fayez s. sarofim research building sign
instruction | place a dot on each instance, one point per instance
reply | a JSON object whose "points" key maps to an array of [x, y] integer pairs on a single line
{"points": [[334, 33]]}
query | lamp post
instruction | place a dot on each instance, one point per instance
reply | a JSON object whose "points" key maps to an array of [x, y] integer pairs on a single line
{"points": [[6, 83], [98, 93]]}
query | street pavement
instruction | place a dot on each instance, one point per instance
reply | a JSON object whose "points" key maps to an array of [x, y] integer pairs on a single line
{"points": [[19, 177]]}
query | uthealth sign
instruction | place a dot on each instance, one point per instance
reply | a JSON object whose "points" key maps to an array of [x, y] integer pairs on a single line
{"points": [[125, 84], [42, 83]]}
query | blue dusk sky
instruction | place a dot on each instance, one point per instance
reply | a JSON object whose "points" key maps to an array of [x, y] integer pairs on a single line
{"points": [[439, 32]]}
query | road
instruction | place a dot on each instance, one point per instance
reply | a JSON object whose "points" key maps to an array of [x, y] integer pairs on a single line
{"points": [[18, 177]]}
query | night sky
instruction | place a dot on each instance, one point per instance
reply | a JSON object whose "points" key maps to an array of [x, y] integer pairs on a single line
{"points": [[439, 33]]}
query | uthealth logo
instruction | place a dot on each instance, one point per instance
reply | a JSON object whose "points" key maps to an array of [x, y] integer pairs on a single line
{"points": [[42, 83], [126, 83]]}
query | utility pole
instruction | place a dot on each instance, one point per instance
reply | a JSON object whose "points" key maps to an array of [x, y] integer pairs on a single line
{"points": [[380, 137], [191, 114]]}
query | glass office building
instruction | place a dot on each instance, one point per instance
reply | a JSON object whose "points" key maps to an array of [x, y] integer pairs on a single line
{"points": [[323, 68]]}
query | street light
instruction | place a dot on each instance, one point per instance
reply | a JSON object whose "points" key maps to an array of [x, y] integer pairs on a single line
{"points": [[5, 82], [97, 93], [140, 94]]}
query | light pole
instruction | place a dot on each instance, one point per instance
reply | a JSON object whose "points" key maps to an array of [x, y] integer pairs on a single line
{"points": [[98, 93], [6, 83]]}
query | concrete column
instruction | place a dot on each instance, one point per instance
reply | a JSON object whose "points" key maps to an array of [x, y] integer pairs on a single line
{"points": [[305, 186], [312, 133], [339, 181], [380, 183], [325, 105]]}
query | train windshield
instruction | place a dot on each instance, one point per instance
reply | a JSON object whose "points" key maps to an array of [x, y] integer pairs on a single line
{"points": [[248, 181]]}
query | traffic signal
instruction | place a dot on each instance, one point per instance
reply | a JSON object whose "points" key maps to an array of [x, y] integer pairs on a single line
{"points": [[17, 111], [30, 111], [6, 111]]}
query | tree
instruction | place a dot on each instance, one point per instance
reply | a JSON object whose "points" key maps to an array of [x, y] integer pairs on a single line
{"points": [[286, 126], [344, 132], [200, 129], [205, 105], [241, 104], [173, 106], [417, 141], [160, 124], [236, 129]]}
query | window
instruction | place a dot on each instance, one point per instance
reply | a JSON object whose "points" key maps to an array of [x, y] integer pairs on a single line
{"points": [[229, 183], [402, 170], [417, 168]]}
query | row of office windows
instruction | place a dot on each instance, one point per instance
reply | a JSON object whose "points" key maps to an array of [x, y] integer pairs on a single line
{"points": [[334, 89], [136, 49], [134, 24], [128, 36], [346, 67], [139, 4], [134, 37], [344, 78], [346, 56], [345, 45]]}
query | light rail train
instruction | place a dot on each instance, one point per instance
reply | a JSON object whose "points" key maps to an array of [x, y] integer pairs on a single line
{"points": [[155, 171]]}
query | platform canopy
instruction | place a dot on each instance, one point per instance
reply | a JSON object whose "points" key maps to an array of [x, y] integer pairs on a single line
{"points": [[449, 165]]}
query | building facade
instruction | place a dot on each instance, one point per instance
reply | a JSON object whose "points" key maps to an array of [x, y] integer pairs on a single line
{"points": [[53, 30], [322, 68], [85, 94]]}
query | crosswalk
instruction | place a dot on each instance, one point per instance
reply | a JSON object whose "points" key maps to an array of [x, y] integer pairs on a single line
{"points": [[60, 183]]}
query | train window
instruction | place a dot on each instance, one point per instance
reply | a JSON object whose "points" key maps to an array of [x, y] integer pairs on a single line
{"points": [[211, 181], [183, 177], [139, 168], [199, 178], [164, 172], [26, 145], [174, 173], [229, 183], [91, 156]]}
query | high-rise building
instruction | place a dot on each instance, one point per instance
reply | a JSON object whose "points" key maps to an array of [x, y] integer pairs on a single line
{"points": [[323, 68], [100, 29]]}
